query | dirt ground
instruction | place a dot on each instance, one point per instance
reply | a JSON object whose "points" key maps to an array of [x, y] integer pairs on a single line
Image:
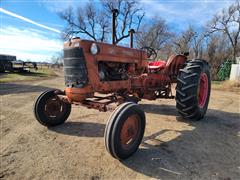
{"points": [[171, 149]]}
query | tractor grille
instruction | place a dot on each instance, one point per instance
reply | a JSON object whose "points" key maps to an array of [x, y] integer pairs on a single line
{"points": [[75, 71]]}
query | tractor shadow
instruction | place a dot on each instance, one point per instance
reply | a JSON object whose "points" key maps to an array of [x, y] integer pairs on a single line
{"points": [[208, 149], [15, 88], [80, 129], [162, 109]]}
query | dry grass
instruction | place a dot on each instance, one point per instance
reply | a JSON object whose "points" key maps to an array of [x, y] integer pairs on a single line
{"points": [[226, 85], [27, 76]]}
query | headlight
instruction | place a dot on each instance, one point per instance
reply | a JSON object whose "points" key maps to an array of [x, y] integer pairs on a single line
{"points": [[94, 49]]}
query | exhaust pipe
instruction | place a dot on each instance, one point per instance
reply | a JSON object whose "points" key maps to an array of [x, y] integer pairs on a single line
{"points": [[114, 16], [131, 32]]}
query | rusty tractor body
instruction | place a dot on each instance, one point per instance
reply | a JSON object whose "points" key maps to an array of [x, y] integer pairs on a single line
{"points": [[109, 77], [124, 71]]}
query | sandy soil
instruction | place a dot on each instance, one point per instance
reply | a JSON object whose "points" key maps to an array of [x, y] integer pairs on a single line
{"points": [[171, 149]]}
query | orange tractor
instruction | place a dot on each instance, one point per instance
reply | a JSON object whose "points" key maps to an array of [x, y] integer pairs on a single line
{"points": [[100, 75]]}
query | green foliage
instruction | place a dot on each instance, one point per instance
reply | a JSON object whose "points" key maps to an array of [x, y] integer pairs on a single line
{"points": [[224, 71]]}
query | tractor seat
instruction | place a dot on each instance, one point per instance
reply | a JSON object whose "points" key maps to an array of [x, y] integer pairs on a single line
{"points": [[157, 65]]}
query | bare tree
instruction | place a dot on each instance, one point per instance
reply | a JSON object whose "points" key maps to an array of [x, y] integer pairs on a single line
{"points": [[129, 17], [228, 22], [217, 51], [88, 21], [94, 22], [154, 35], [183, 41], [197, 41], [57, 59]]}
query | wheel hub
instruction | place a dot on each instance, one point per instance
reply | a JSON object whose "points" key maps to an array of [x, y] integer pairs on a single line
{"points": [[129, 130], [53, 108]]}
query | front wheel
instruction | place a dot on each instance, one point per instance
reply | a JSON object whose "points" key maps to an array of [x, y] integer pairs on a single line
{"points": [[193, 89], [49, 110], [124, 130]]}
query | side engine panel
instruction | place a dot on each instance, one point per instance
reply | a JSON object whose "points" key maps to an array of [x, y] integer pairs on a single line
{"points": [[112, 71]]}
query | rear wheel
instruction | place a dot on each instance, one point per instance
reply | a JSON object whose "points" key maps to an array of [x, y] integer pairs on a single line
{"points": [[193, 90], [124, 130], [49, 110]]}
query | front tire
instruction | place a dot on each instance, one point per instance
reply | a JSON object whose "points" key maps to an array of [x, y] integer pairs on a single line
{"points": [[193, 89], [49, 110], [124, 130]]}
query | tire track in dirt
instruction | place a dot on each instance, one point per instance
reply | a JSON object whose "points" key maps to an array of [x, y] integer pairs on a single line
{"points": [[20, 130], [27, 130], [23, 125]]}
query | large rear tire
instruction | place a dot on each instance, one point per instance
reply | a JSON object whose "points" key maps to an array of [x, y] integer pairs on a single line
{"points": [[193, 89], [49, 110], [124, 130]]}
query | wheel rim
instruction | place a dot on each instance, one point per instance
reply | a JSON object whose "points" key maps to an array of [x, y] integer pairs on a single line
{"points": [[203, 90], [129, 132], [54, 108]]}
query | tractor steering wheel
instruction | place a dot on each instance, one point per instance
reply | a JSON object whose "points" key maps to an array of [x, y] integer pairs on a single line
{"points": [[151, 53]]}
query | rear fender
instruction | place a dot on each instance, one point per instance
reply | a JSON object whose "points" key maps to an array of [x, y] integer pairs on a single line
{"points": [[174, 64]]}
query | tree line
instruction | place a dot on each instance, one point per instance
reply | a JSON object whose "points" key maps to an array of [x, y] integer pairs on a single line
{"points": [[216, 41]]}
